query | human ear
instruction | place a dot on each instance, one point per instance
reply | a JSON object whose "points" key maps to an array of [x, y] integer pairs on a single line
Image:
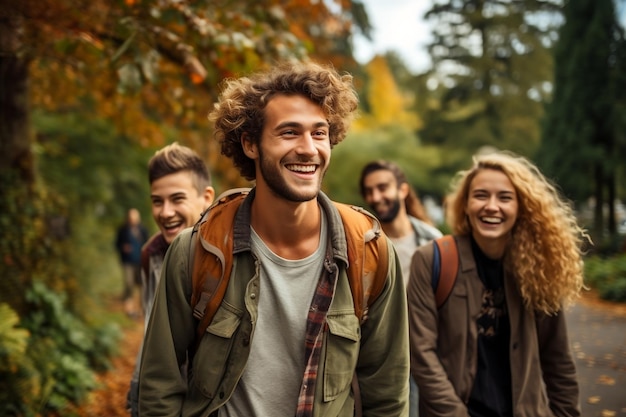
{"points": [[403, 190], [248, 146], [209, 196]]}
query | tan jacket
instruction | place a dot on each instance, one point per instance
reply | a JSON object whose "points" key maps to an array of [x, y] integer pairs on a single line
{"points": [[444, 345]]}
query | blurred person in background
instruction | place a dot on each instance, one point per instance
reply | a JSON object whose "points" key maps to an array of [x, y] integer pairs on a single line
{"points": [[386, 190], [130, 238]]}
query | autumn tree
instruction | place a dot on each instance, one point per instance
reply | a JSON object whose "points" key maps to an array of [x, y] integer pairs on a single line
{"points": [[386, 103], [583, 138], [143, 64], [387, 129], [492, 70], [147, 67]]}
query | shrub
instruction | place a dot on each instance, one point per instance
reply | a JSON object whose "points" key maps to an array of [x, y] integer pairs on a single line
{"points": [[49, 360], [607, 276]]}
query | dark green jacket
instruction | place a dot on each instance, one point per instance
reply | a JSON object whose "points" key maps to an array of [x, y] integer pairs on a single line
{"points": [[378, 349]]}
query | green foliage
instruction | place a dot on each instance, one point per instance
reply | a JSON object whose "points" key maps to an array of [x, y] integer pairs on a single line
{"points": [[58, 262], [396, 144], [97, 170], [17, 373], [26, 215], [13, 341], [608, 276], [583, 117], [50, 359], [13, 344], [492, 70]]}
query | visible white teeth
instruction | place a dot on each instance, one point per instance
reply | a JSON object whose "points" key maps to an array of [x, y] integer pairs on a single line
{"points": [[302, 168], [491, 220]]}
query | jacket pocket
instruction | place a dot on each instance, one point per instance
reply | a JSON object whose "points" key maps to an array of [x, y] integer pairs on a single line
{"points": [[342, 351], [210, 359]]}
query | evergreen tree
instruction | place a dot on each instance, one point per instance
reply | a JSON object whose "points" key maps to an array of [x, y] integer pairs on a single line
{"points": [[581, 142], [492, 66]]}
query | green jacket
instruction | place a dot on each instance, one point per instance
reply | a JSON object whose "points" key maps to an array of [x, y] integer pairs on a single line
{"points": [[444, 345], [378, 349]]}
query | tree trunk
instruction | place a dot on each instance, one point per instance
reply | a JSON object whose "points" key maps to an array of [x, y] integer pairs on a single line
{"points": [[598, 218], [612, 197], [16, 159], [15, 152], [17, 173]]}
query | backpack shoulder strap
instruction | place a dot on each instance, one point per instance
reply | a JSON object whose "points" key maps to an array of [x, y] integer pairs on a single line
{"points": [[211, 271], [367, 270], [445, 268], [367, 256]]}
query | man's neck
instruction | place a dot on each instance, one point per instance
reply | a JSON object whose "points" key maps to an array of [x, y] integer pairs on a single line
{"points": [[290, 229], [399, 227]]}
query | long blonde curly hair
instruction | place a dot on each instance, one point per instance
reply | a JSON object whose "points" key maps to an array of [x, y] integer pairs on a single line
{"points": [[545, 252]]}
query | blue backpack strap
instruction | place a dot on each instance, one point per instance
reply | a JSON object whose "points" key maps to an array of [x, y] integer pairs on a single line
{"points": [[436, 274]]}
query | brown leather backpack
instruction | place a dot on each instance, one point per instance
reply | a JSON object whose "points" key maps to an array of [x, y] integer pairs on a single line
{"points": [[367, 256]]}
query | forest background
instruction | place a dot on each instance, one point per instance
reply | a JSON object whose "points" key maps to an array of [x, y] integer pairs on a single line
{"points": [[90, 89]]}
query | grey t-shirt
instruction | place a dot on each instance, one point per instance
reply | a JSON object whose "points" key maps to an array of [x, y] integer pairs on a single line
{"points": [[405, 247], [271, 381]]}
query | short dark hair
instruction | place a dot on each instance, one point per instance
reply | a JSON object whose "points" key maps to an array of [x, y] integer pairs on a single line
{"points": [[174, 158]]}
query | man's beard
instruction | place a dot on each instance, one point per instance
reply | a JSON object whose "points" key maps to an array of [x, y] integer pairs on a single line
{"points": [[390, 214], [276, 182]]}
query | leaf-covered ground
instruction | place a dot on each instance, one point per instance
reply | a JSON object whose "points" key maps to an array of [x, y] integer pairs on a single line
{"points": [[110, 399], [597, 332]]}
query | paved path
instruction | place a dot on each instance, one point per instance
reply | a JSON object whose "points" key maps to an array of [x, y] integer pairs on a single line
{"points": [[597, 334]]}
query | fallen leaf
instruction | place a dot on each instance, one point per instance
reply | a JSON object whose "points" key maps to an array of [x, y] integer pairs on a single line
{"points": [[608, 413], [605, 380], [593, 400]]}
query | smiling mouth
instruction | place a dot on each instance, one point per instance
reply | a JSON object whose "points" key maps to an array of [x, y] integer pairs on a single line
{"points": [[172, 225], [306, 169], [491, 220]]}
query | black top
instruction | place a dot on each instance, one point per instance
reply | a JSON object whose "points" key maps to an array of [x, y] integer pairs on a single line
{"points": [[491, 394]]}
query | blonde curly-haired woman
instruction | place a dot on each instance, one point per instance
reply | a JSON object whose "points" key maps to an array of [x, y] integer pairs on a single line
{"points": [[498, 346]]}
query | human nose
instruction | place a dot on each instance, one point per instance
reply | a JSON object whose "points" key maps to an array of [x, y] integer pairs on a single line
{"points": [[167, 210], [492, 203], [306, 144]]}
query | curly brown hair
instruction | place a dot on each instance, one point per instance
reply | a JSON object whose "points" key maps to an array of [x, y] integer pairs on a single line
{"points": [[545, 253], [241, 106]]}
